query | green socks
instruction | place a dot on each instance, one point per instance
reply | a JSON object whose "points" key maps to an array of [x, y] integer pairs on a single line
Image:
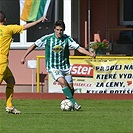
{"points": [[68, 94]]}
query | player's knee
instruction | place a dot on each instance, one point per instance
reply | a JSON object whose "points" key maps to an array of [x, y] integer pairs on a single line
{"points": [[10, 82], [11, 86], [62, 82]]}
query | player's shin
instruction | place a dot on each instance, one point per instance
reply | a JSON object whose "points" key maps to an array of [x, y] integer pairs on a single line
{"points": [[9, 95], [72, 91], [68, 94]]}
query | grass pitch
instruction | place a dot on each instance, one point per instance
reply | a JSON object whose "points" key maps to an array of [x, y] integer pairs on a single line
{"points": [[45, 116]]}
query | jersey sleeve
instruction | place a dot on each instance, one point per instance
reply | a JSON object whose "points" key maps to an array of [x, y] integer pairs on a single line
{"points": [[16, 28], [72, 43], [40, 42]]}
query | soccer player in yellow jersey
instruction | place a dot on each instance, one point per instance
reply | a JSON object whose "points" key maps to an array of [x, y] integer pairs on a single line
{"points": [[6, 33]]}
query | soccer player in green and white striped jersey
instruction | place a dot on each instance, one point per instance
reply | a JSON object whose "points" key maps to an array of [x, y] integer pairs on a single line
{"points": [[57, 47]]}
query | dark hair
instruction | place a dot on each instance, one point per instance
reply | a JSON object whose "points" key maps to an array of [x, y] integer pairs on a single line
{"points": [[2, 16], [59, 23]]}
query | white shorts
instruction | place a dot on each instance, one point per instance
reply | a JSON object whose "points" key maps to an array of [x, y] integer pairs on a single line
{"points": [[57, 73]]}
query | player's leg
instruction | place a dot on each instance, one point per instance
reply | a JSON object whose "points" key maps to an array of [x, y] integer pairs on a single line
{"points": [[67, 92], [3, 66], [69, 80], [9, 79], [9, 90], [59, 77], [6, 74], [71, 88], [65, 88]]}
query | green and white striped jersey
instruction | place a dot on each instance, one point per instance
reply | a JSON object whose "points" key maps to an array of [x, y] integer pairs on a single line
{"points": [[57, 50]]}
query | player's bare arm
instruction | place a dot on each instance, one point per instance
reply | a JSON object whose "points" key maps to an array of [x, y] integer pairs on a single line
{"points": [[28, 25], [29, 50], [84, 51]]}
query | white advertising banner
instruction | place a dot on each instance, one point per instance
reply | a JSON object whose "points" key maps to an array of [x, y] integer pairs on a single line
{"points": [[99, 76]]}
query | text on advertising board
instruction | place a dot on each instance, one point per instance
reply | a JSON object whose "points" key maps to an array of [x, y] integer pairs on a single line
{"points": [[82, 70]]}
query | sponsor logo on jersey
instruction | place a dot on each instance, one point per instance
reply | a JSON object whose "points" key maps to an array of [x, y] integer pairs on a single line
{"points": [[57, 48], [82, 70]]}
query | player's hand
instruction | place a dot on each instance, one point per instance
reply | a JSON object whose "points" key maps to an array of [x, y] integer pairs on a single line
{"points": [[42, 19], [22, 61], [92, 55]]}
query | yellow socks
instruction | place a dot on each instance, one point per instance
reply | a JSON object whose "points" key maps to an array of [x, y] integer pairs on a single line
{"points": [[9, 96]]}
